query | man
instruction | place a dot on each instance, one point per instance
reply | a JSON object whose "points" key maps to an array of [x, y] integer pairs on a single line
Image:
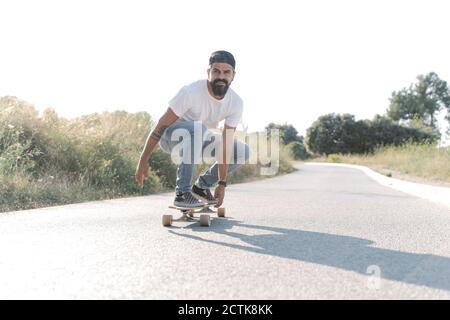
{"points": [[196, 108]]}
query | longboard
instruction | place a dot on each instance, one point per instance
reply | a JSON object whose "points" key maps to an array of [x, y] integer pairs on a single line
{"points": [[188, 215]]}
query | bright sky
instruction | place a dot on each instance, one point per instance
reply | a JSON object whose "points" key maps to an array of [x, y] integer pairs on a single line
{"points": [[296, 60]]}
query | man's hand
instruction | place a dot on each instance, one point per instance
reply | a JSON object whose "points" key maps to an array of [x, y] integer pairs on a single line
{"points": [[219, 194], [141, 173]]}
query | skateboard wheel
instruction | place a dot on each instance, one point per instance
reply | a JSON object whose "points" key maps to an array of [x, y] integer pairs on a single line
{"points": [[191, 214], [167, 220], [205, 220], [221, 212]]}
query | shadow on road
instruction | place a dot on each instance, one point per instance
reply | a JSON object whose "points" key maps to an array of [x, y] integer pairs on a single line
{"points": [[343, 252]]}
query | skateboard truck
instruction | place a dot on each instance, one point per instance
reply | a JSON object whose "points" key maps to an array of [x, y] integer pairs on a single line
{"points": [[188, 215]]}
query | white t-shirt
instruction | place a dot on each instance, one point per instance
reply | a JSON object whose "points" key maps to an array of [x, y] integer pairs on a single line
{"points": [[194, 103]]}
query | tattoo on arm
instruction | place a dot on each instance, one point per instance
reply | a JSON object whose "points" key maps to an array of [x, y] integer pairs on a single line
{"points": [[158, 132]]}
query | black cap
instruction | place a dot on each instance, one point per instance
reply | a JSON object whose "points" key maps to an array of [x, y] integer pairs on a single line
{"points": [[222, 56]]}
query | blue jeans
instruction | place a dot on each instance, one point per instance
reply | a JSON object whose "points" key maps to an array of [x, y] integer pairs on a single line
{"points": [[194, 132]]}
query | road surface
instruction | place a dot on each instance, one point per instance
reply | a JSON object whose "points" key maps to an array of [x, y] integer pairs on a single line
{"points": [[319, 233]]}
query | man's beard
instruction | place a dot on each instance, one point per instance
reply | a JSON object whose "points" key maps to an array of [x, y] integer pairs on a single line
{"points": [[219, 90]]}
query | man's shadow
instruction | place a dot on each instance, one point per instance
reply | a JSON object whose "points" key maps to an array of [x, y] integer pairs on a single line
{"points": [[343, 252]]}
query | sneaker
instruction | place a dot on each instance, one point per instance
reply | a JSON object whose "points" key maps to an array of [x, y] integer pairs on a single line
{"points": [[186, 200], [203, 195]]}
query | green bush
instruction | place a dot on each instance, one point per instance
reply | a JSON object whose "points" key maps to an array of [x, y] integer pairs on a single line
{"points": [[298, 151], [49, 160], [161, 163], [17, 146]]}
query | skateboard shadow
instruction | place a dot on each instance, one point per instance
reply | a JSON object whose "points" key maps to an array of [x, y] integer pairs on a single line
{"points": [[343, 252]]}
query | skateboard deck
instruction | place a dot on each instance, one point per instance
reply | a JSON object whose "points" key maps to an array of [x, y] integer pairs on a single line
{"points": [[188, 215]]}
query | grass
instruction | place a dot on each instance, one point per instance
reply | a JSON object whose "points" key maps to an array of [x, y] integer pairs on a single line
{"points": [[425, 161]]}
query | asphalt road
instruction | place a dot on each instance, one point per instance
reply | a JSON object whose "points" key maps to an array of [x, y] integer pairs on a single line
{"points": [[319, 233]]}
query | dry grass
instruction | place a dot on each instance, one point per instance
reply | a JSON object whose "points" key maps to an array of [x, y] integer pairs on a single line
{"points": [[417, 160]]}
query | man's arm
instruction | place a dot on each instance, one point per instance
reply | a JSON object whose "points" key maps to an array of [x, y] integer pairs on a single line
{"points": [[152, 140], [225, 151]]}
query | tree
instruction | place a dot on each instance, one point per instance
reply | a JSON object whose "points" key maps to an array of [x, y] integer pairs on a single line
{"points": [[288, 133], [334, 133], [404, 106], [421, 102], [323, 135]]}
